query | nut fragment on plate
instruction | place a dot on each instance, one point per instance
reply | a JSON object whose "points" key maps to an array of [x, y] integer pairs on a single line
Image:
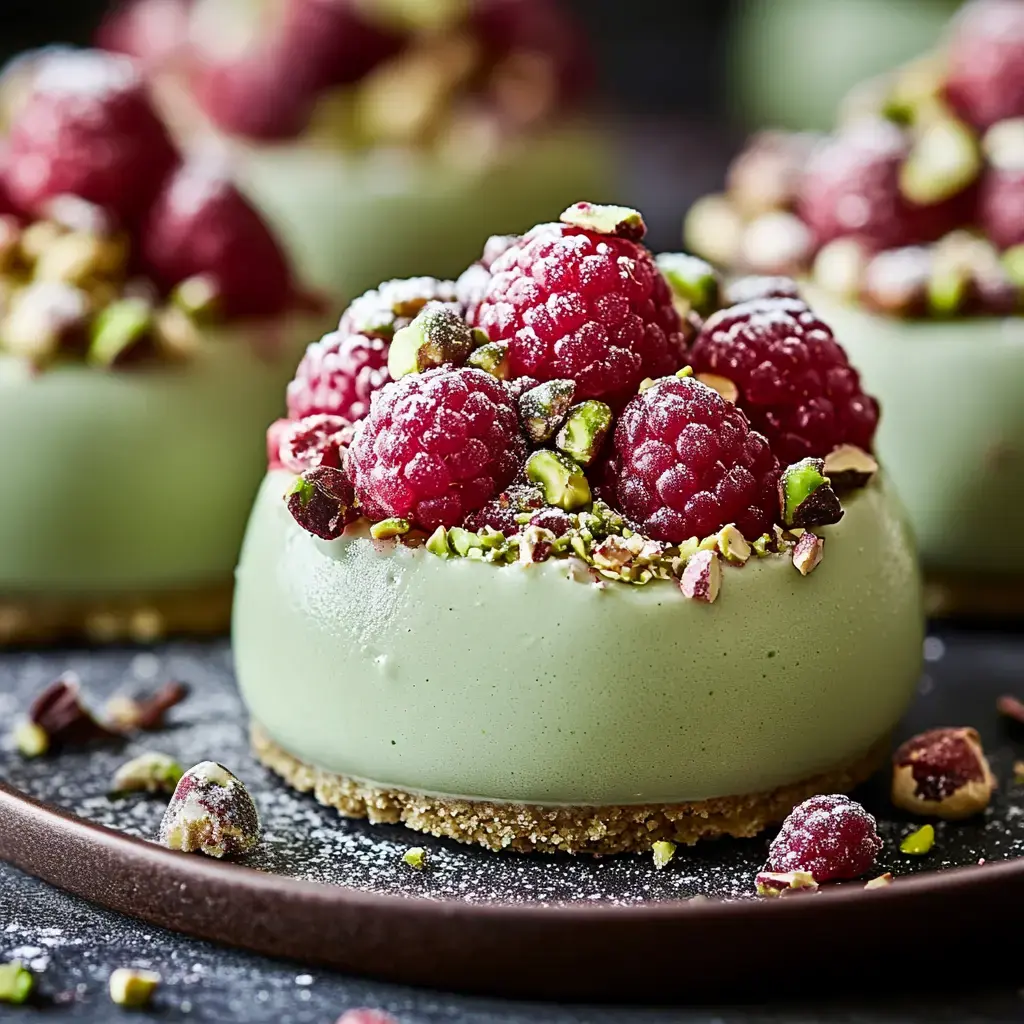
{"points": [[776, 883], [942, 772], [919, 842], [15, 983], [151, 772], [880, 882], [128, 714], [132, 988], [57, 718], [366, 1016]]}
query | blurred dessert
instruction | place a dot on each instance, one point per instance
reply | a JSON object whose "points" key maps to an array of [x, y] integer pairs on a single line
{"points": [[522, 579], [380, 136], [907, 227], [148, 321]]}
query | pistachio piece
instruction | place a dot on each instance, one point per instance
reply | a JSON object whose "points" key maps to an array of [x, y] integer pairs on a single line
{"points": [[895, 281], [535, 544], [880, 882], [492, 357], [732, 545], [415, 857], [1013, 264], [839, 267], [775, 883], [714, 229], [702, 577], [944, 159], [806, 496], [620, 221], [849, 467], [542, 409], [132, 988], [144, 713], [148, 773], [117, 329], [725, 387], [437, 543], [176, 334], [31, 740], [1004, 144], [38, 237], [920, 842], [462, 541], [43, 316], [694, 282], [388, 528], [16, 983], [198, 297], [58, 711], [776, 243], [322, 502], [560, 478], [663, 852], [585, 430], [436, 336], [76, 258], [807, 553]]}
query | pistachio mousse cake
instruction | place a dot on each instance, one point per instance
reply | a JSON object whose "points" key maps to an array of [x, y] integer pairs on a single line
{"points": [[536, 585], [421, 126], [907, 226], [148, 322]]}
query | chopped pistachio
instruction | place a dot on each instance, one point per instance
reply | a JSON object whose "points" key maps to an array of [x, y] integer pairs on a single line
{"points": [[880, 882], [663, 851], [807, 553], [31, 739], [714, 229], [585, 430], [543, 408], [436, 336], [41, 316], [693, 281], [944, 159], [304, 488], [492, 358], [415, 857], [762, 545], [15, 983], [563, 482], [38, 237], [148, 773], [76, 258], [775, 883], [175, 333], [725, 387], [463, 541], [645, 384], [839, 267], [732, 545], [848, 467], [686, 371], [920, 842], [388, 528], [1013, 264], [133, 988], [806, 496], [197, 297], [437, 543], [620, 221], [702, 577], [117, 328]]}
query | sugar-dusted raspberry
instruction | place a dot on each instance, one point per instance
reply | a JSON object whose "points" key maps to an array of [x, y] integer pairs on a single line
{"points": [[1001, 206], [747, 289], [436, 446], [472, 284], [985, 77], [794, 380], [201, 225], [500, 513], [827, 836], [689, 464], [389, 307], [554, 519], [152, 31], [337, 375], [88, 129], [317, 440], [584, 306]]}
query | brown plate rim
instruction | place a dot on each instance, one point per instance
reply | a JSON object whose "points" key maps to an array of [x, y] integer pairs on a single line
{"points": [[642, 953]]}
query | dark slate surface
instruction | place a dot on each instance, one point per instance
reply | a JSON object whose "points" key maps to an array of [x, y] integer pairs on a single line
{"points": [[75, 946]]}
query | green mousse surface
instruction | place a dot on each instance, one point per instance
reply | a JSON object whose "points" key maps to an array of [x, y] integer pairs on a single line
{"points": [[516, 683], [135, 479], [952, 429], [352, 221]]}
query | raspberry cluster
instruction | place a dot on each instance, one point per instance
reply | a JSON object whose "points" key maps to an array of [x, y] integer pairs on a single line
{"points": [[547, 404], [914, 205]]}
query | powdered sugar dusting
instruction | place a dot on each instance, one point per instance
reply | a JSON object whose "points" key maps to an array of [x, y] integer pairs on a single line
{"points": [[88, 73]]}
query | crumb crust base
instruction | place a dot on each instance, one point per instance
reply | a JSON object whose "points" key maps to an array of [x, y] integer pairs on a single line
{"points": [[531, 828]]}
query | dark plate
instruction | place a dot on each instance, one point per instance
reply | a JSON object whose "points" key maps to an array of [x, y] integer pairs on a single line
{"points": [[329, 891]]}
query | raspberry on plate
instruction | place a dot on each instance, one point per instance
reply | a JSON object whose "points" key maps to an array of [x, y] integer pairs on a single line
{"points": [[201, 225], [581, 304], [794, 380], [436, 446], [690, 464], [1001, 206], [831, 837], [87, 128], [985, 79]]}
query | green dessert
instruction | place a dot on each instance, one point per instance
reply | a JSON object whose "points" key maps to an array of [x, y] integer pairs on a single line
{"points": [[148, 321], [905, 229], [578, 603]]}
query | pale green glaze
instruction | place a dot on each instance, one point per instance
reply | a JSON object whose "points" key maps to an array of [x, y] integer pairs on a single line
{"points": [[952, 429], [516, 683], [135, 479], [354, 221]]}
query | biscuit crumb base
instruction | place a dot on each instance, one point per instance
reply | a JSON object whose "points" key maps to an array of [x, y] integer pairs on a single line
{"points": [[561, 829], [132, 617]]}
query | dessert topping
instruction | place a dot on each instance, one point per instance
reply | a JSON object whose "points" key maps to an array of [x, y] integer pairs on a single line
{"points": [[415, 857], [560, 478], [807, 553], [322, 502], [806, 496], [133, 988], [16, 983], [920, 842], [695, 284], [585, 430], [702, 577], [831, 837], [619, 221], [316, 440], [881, 882], [944, 773], [210, 812], [148, 773], [543, 409], [145, 713], [663, 852], [57, 718], [849, 467], [778, 883], [492, 358], [436, 336]]}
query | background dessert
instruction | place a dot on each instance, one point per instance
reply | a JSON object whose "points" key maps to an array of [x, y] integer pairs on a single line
{"points": [[907, 222], [381, 137], [149, 319]]}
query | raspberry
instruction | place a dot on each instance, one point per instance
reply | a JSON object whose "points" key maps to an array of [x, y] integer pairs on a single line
{"points": [[583, 306], [316, 440], [472, 284], [554, 519], [154, 32], [389, 307], [690, 464], [747, 289], [500, 512], [985, 77], [88, 129], [337, 375], [1001, 206], [794, 380], [851, 188], [827, 836], [436, 446], [201, 225]]}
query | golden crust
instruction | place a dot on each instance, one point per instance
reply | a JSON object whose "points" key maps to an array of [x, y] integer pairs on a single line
{"points": [[137, 617], [531, 828]]}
